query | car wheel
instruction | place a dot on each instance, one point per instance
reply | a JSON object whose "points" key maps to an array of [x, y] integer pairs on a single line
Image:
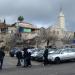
{"points": [[57, 60]]}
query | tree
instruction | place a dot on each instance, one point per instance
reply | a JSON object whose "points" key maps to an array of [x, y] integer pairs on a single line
{"points": [[47, 36], [42, 33], [20, 18], [13, 40], [10, 41], [51, 36], [68, 38]]}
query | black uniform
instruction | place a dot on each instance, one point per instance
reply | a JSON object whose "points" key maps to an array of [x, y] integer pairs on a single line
{"points": [[25, 56], [45, 55], [29, 59], [19, 57], [2, 54]]}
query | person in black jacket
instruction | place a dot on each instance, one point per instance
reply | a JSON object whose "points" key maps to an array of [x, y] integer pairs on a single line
{"points": [[25, 56], [19, 57], [29, 59], [45, 55], [2, 54]]}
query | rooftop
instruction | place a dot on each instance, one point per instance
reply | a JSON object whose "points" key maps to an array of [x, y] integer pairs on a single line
{"points": [[3, 25]]}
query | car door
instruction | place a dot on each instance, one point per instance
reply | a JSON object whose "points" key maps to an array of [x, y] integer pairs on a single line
{"points": [[65, 55], [72, 53]]}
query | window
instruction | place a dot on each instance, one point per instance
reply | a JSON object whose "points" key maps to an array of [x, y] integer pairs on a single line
{"points": [[21, 29], [73, 50], [67, 51]]}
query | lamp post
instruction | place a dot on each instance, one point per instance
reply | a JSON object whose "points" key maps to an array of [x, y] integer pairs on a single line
{"points": [[17, 26], [37, 37]]}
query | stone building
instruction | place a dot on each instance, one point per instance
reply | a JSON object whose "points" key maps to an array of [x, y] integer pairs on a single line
{"points": [[59, 30], [3, 32], [3, 27]]}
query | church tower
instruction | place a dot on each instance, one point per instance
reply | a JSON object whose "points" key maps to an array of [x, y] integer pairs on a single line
{"points": [[61, 20]]}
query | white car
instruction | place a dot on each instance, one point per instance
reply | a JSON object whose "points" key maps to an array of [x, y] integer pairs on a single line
{"points": [[62, 54], [38, 55]]}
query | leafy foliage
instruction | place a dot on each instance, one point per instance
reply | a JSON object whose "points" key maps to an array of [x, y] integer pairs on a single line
{"points": [[20, 18]]}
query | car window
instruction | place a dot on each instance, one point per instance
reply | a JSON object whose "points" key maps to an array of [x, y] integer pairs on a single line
{"points": [[57, 52], [73, 50], [67, 51]]}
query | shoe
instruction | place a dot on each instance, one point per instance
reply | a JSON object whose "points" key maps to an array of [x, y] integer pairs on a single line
{"points": [[18, 65], [24, 66], [30, 65]]}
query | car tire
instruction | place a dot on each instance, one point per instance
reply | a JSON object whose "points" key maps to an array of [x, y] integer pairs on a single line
{"points": [[57, 60]]}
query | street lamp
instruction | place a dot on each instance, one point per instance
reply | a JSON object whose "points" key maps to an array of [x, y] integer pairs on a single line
{"points": [[17, 26], [37, 38]]}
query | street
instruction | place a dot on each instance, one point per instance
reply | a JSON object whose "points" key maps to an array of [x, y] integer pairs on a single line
{"points": [[9, 68]]}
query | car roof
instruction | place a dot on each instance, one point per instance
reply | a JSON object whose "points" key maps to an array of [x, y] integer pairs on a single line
{"points": [[66, 49]]}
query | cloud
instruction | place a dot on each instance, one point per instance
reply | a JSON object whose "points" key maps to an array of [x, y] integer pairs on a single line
{"points": [[38, 12]]}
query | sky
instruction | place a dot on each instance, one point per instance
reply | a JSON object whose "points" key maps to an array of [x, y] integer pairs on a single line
{"points": [[38, 12]]}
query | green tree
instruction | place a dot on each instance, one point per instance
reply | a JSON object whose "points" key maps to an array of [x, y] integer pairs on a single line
{"points": [[20, 18]]}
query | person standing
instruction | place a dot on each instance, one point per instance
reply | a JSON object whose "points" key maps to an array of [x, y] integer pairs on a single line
{"points": [[2, 54], [25, 56], [45, 55], [29, 58], [19, 57]]}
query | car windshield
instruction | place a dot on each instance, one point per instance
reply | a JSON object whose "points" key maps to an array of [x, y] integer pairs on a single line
{"points": [[57, 52], [41, 51], [40, 54], [52, 51]]}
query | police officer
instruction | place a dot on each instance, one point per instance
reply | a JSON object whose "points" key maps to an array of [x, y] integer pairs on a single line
{"points": [[45, 55], [29, 58], [25, 56], [2, 54]]}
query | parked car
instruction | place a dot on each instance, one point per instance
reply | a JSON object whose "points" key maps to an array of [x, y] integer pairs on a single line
{"points": [[39, 57], [32, 50], [62, 55], [13, 51], [34, 54], [38, 54]]}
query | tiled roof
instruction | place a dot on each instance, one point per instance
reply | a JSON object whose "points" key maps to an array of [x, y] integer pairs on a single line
{"points": [[25, 25]]}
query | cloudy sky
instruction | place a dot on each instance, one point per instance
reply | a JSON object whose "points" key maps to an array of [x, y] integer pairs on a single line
{"points": [[38, 12]]}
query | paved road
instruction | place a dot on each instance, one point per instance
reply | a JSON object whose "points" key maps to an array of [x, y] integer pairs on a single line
{"points": [[9, 68]]}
